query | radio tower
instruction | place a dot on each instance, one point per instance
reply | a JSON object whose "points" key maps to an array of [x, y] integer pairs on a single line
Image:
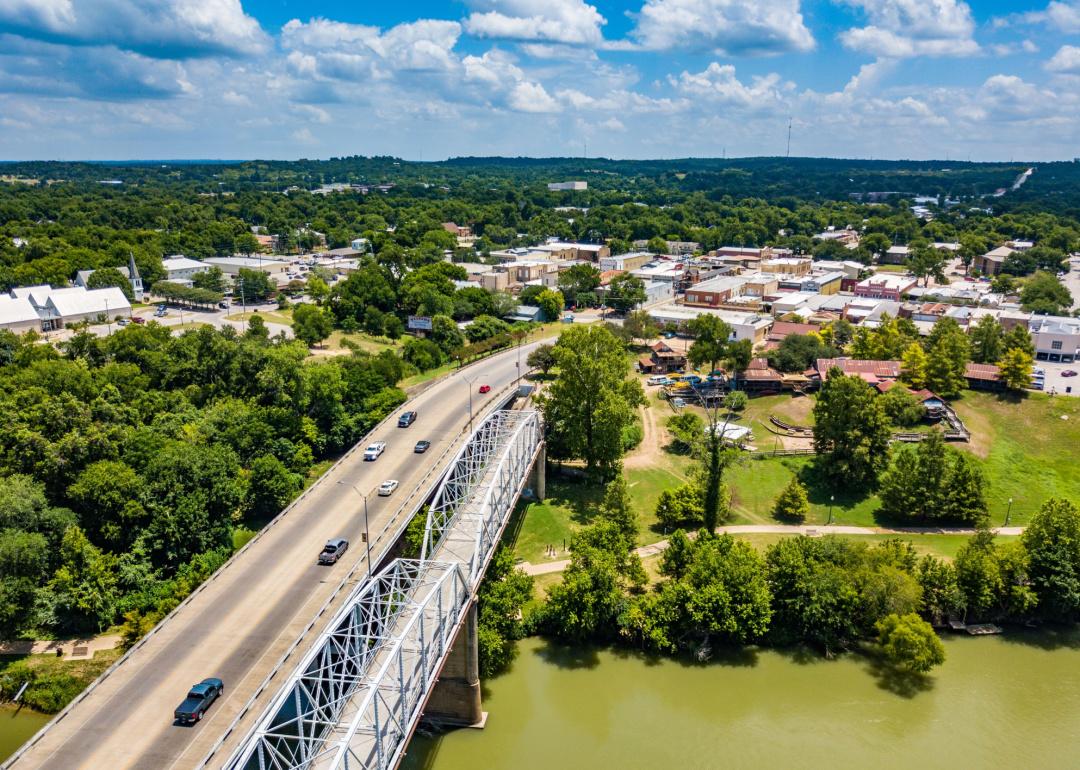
{"points": [[788, 138]]}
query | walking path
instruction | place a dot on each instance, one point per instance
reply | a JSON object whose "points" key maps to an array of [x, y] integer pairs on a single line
{"points": [[76, 649], [781, 529]]}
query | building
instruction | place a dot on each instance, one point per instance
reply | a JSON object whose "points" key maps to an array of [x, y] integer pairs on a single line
{"points": [[495, 281], [782, 329], [1056, 338], [786, 266], [567, 186], [180, 269], [992, 261], [744, 326], [983, 377], [822, 283], [669, 272], [849, 267], [846, 236], [760, 378], [18, 315], [797, 303], [626, 262], [676, 248], [715, 292], [131, 272], [589, 252], [872, 372], [885, 286], [895, 255], [57, 308], [662, 359], [233, 265]]}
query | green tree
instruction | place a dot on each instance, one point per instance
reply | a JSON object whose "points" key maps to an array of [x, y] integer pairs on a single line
{"points": [[317, 289], [578, 279], [640, 325], [909, 642], [683, 505], [625, 292], [965, 492], [903, 409], [710, 344], [254, 285], [246, 244], [110, 276], [107, 497], [550, 304], [926, 262], [987, 345], [799, 352], [1052, 541], [792, 503], [851, 431], [500, 599], [687, 431], [949, 353], [210, 280], [591, 402], [1044, 293], [82, 593], [1016, 368], [271, 487], [656, 245], [913, 366], [542, 358], [311, 324], [617, 508], [1019, 338], [727, 594]]}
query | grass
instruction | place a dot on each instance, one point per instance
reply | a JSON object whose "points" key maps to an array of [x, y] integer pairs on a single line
{"points": [[269, 314], [570, 505], [54, 681], [365, 342]]}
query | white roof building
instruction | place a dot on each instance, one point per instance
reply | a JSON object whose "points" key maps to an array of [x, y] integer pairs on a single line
{"points": [[78, 304], [18, 315]]}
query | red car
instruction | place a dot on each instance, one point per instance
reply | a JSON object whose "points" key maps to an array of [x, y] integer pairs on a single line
{"points": [[485, 388], [138, 319]]}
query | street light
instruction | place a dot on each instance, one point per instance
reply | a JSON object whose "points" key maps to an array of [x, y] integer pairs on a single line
{"points": [[832, 499], [367, 529], [108, 320], [470, 382], [1008, 512]]}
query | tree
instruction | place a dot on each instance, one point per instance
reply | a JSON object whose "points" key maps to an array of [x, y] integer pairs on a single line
{"points": [[247, 244], [617, 508], [682, 505], [550, 303], [949, 353], [485, 327], [110, 276], [687, 432], [656, 245], [311, 324], [640, 325], [317, 289], [83, 590], [591, 402], [422, 353], [106, 495], [726, 593], [211, 280], [503, 593], [625, 292], [913, 365], [446, 334], [986, 341], [1019, 338], [1016, 368], [965, 487], [902, 408], [799, 352], [578, 279], [1044, 293], [1052, 541], [711, 336], [542, 358], [792, 504], [909, 642], [851, 431], [254, 285], [271, 487], [926, 262]]}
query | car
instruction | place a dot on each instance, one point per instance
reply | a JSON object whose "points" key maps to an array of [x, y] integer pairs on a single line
{"points": [[659, 379], [406, 419], [138, 319], [485, 388], [421, 447], [1068, 373], [568, 318], [678, 402], [387, 487], [122, 322], [333, 550], [374, 450], [223, 305], [198, 700]]}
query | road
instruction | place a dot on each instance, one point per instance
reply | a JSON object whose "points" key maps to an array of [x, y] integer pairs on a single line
{"points": [[244, 620]]}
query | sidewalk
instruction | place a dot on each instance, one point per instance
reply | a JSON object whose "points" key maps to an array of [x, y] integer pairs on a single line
{"points": [[813, 530], [76, 649]]}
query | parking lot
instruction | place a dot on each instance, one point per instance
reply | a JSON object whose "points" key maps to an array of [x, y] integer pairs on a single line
{"points": [[1054, 380]]}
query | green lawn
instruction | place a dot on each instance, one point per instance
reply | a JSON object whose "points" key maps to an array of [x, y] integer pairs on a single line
{"points": [[570, 505]]}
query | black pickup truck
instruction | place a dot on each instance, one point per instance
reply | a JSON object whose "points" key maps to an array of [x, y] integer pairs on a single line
{"points": [[198, 701]]}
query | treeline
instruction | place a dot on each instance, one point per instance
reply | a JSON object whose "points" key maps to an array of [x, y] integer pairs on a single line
{"points": [[827, 592], [127, 463]]}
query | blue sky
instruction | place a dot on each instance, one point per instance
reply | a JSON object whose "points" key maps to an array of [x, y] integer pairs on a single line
{"points": [[630, 78]]}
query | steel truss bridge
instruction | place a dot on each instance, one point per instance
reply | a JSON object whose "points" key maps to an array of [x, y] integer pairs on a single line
{"points": [[355, 698]]}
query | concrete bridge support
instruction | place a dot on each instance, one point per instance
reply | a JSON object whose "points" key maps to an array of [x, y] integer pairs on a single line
{"points": [[455, 700], [539, 473]]}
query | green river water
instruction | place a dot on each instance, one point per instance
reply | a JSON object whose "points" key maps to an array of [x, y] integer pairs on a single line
{"points": [[16, 727], [997, 702]]}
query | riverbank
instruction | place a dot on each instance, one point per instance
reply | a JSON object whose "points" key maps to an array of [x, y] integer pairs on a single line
{"points": [[1001, 702]]}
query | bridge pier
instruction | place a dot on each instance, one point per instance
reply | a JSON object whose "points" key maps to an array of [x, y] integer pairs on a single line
{"points": [[539, 473], [455, 700]]}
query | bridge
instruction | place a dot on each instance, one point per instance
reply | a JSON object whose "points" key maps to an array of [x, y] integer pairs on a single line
{"points": [[265, 608], [405, 641]]}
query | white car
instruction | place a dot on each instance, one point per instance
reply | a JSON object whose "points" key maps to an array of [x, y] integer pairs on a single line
{"points": [[374, 450], [387, 487]]}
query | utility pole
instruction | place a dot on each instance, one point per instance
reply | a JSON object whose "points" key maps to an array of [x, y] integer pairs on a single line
{"points": [[788, 138]]}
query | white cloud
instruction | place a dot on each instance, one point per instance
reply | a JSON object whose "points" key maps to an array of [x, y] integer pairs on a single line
{"points": [[729, 26], [556, 21], [165, 29], [532, 97], [353, 50], [1063, 17], [717, 83], [1066, 60], [906, 28]]}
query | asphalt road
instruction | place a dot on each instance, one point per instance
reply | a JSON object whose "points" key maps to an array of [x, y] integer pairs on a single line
{"points": [[243, 621]]}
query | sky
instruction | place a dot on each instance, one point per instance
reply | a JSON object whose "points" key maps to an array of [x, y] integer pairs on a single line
{"points": [[427, 79]]}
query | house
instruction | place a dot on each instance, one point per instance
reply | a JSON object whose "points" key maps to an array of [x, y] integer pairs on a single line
{"points": [[662, 359], [526, 313], [458, 231], [17, 315], [872, 372], [797, 303], [589, 252], [1056, 338], [895, 255], [992, 261], [715, 292], [983, 377], [886, 286], [782, 329], [846, 236], [180, 269], [759, 377]]}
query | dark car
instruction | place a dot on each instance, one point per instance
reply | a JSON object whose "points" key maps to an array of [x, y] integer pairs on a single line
{"points": [[406, 419], [333, 550], [138, 319], [421, 447], [198, 700], [485, 388], [1068, 373]]}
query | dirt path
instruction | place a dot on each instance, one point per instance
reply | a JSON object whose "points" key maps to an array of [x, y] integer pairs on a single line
{"points": [[75, 649], [650, 452]]}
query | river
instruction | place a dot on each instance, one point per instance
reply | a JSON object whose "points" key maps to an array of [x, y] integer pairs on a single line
{"points": [[999, 702], [16, 727]]}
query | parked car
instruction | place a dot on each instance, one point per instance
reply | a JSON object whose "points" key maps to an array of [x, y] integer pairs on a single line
{"points": [[374, 450], [678, 402], [406, 419], [223, 305], [160, 313], [568, 318], [333, 550], [198, 700], [485, 388], [659, 379], [138, 319], [421, 447], [1068, 373], [387, 487], [122, 322]]}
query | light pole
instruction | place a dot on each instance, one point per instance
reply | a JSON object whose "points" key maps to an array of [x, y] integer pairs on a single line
{"points": [[1008, 512], [470, 382], [367, 529], [108, 321], [832, 499]]}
